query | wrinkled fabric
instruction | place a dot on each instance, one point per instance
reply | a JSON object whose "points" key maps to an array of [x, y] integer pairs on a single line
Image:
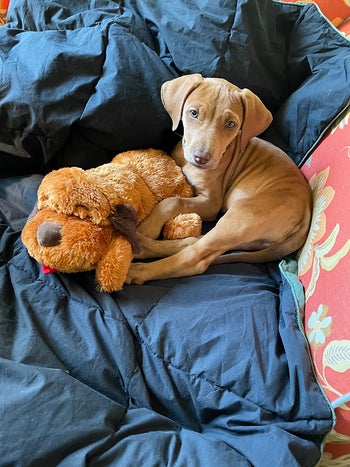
{"points": [[81, 79], [195, 371]]}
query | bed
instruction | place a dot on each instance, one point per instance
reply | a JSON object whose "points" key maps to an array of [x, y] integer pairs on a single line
{"points": [[197, 371]]}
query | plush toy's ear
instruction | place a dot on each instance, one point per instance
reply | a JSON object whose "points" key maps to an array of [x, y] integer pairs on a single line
{"points": [[256, 118], [174, 94], [124, 220]]}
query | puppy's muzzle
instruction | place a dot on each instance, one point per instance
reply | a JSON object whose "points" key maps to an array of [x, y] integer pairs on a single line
{"points": [[201, 157]]}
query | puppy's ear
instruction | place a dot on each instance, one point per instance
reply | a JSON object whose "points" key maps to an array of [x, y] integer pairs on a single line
{"points": [[256, 119], [124, 220], [175, 92]]}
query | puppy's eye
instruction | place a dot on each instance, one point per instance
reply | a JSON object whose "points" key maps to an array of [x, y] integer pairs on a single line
{"points": [[193, 113], [230, 124]]}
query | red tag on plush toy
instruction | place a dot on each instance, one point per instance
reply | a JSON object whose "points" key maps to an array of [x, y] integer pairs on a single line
{"points": [[47, 269]]}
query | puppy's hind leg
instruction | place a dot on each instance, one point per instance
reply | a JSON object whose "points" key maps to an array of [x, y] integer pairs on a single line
{"points": [[192, 260]]}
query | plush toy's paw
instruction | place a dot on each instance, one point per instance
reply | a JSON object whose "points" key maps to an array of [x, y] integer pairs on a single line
{"points": [[182, 226]]}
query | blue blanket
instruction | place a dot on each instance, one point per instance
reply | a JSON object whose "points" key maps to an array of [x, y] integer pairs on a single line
{"points": [[81, 78], [197, 371]]}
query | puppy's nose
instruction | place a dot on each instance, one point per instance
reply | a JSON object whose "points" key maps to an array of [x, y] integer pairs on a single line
{"points": [[49, 234], [201, 157]]}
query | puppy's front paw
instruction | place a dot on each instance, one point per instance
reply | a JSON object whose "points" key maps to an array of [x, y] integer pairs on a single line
{"points": [[136, 274]]}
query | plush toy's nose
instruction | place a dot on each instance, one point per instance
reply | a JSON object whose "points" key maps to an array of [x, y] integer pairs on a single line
{"points": [[49, 234]]}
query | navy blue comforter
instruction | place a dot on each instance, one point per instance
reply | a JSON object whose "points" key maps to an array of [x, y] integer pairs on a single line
{"points": [[197, 371]]}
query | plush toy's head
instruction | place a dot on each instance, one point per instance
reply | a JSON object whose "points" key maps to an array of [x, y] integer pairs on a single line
{"points": [[87, 220], [65, 243], [69, 244]]}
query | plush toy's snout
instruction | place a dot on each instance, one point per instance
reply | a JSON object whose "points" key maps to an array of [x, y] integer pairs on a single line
{"points": [[49, 234]]}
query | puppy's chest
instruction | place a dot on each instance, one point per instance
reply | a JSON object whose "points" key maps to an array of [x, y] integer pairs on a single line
{"points": [[235, 185], [199, 179]]}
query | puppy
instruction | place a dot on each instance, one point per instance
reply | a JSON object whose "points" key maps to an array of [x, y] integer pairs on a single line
{"points": [[265, 200]]}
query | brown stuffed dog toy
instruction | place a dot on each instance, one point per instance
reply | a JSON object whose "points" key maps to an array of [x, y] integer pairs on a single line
{"points": [[87, 219]]}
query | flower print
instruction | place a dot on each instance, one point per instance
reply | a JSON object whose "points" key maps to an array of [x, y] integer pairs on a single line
{"points": [[322, 196], [319, 325], [316, 253]]}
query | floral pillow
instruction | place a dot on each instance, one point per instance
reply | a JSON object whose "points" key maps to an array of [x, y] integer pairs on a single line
{"points": [[3, 10], [4, 4], [324, 269], [335, 10]]}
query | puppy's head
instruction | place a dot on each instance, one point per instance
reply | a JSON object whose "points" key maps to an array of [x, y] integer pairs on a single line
{"points": [[213, 112]]}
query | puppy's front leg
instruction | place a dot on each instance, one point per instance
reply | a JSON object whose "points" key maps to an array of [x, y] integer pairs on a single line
{"points": [[164, 211], [172, 207], [161, 213]]}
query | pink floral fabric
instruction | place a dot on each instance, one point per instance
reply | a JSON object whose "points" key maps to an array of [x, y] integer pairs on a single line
{"points": [[324, 263], [335, 10], [324, 269]]}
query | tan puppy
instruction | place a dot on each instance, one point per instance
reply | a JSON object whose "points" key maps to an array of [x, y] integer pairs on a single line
{"points": [[264, 197]]}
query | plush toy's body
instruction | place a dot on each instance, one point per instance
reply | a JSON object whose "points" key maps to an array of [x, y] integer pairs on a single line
{"points": [[87, 219]]}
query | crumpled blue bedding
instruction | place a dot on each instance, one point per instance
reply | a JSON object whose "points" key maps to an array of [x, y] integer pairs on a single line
{"points": [[81, 78], [196, 371]]}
